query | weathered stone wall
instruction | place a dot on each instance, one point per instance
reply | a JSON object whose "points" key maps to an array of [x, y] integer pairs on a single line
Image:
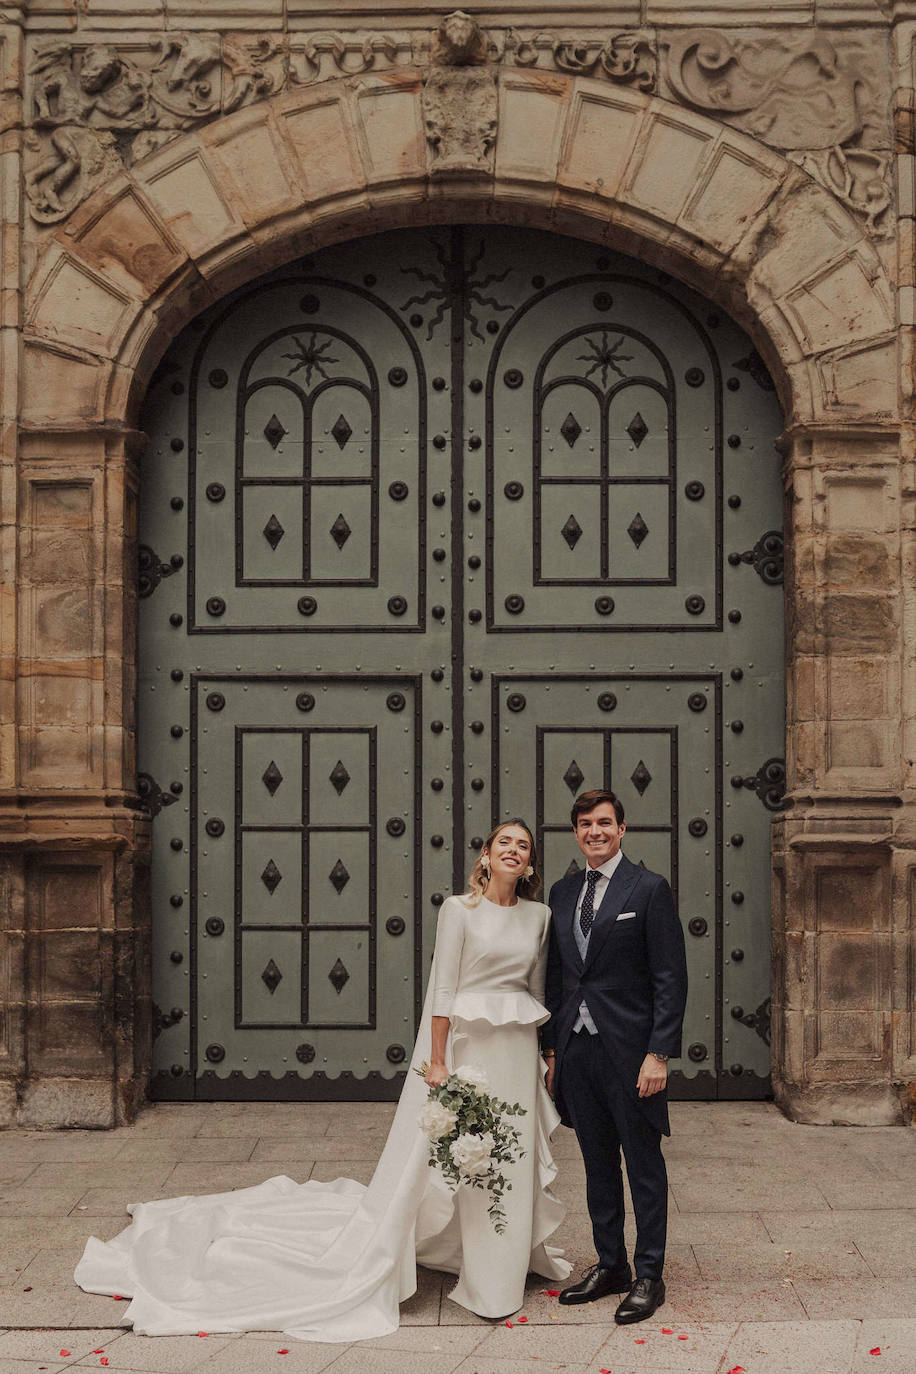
{"points": [[159, 152]]}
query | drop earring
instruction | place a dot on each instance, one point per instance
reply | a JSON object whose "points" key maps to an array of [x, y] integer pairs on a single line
{"points": [[528, 872]]}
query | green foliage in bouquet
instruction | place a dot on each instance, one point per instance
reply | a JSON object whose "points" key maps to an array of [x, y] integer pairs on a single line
{"points": [[471, 1138]]}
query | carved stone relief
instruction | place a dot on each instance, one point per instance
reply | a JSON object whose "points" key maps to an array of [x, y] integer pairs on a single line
{"points": [[93, 108], [790, 91], [459, 99], [819, 101], [859, 178]]}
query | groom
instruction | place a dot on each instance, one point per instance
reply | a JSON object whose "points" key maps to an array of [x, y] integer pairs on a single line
{"points": [[616, 992]]}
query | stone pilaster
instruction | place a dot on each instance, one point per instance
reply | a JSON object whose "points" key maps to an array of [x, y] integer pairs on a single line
{"points": [[73, 850], [836, 866]]}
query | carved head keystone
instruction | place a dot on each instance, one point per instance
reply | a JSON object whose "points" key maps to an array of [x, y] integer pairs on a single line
{"points": [[460, 41]]}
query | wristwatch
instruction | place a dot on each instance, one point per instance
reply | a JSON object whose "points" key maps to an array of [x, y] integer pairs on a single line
{"points": [[662, 1058]]}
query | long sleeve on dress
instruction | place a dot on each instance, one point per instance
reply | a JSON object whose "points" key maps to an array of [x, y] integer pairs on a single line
{"points": [[538, 980], [447, 957]]}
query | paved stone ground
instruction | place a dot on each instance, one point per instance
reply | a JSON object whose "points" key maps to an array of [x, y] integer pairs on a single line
{"points": [[792, 1249]]}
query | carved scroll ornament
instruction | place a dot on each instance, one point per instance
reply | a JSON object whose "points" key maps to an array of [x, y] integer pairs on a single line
{"points": [[792, 92], [628, 59]]}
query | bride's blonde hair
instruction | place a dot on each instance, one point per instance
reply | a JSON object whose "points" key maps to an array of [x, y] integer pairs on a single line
{"points": [[525, 887]]}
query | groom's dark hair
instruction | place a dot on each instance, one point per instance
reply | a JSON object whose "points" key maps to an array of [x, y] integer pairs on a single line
{"points": [[587, 801]]}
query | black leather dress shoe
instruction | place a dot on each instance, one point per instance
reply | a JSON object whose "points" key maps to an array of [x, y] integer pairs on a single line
{"points": [[643, 1299], [596, 1283]]}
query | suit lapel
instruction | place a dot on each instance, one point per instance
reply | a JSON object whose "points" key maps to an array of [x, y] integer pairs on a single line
{"points": [[612, 903], [565, 916]]}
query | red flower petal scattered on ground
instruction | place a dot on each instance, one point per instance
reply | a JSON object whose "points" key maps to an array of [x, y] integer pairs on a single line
{"points": [[875, 1350], [638, 1340], [203, 1333], [282, 1352], [100, 1351], [28, 1290], [103, 1360], [552, 1292], [510, 1323], [63, 1352], [738, 1369], [117, 1297], [683, 1338], [521, 1319], [666, 1331]]}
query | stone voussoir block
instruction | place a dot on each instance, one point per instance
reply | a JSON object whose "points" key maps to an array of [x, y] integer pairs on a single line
{"points": [[126, 239]]}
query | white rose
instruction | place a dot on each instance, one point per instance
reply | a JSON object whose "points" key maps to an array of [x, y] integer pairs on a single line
{"points": [[436, 1120], [477, 1078], [472, 1154]]}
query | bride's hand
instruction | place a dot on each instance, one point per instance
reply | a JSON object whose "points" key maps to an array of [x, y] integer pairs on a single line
{"points": [[435, 1074]]}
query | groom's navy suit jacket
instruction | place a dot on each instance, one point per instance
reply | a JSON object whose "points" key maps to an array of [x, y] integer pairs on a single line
{"points": [[633, 979]]}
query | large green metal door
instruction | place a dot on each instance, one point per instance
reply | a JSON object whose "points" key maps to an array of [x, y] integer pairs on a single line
{"points": [[436, 528]]}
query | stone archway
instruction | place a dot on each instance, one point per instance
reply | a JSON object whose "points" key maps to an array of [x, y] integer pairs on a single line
{"points": [[217, 207]]}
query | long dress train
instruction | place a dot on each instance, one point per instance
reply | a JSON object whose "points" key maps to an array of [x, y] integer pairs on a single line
{"points": [[333, 1261]]}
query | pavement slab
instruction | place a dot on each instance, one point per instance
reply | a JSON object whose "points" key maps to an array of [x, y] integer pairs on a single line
{"points": [[61, 1174], [159, 1354], [39, 1146], [654, 1347], [895, 1339], [222, 1178], [154, 1149], [833, 1299], [50, 1345], [271, 1148], [327, 1170], [29, 1367], [775, 1348], [493, 1365], [425, 1307], [883, 1194], [250, 1355], [718, 1263], [361, 1360], [553, 1344], [22, 1201], [277, 1129], [787, 1228]]}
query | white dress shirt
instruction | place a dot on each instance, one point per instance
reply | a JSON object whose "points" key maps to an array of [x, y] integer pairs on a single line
{"points": [[607, 871]]}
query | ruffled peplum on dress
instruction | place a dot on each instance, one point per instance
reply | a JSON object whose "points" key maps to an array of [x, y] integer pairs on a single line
{"points": [[333, 1261]]}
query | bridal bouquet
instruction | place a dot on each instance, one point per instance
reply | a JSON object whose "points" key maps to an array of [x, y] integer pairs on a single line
{"points": [[470, 1136]]}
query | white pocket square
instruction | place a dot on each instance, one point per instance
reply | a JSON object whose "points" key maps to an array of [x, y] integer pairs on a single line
{"points": [[626, 916]]}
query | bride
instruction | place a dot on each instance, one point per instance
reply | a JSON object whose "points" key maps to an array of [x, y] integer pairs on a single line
{"points": [[332, 1261]]}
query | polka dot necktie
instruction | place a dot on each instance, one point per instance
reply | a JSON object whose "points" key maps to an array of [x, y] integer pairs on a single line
{"points": [[587, 911]]}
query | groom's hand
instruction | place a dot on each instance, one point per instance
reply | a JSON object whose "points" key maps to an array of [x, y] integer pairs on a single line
{"points": [[652, 1076], [548, 1076]]}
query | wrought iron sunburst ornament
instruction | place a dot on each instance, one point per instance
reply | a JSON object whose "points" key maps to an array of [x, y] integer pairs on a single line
{"points": [[605, 356], [312, 356], [455, 283]]}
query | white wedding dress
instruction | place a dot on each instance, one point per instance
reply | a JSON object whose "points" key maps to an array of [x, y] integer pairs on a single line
{"points": [[332, 1261]]}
